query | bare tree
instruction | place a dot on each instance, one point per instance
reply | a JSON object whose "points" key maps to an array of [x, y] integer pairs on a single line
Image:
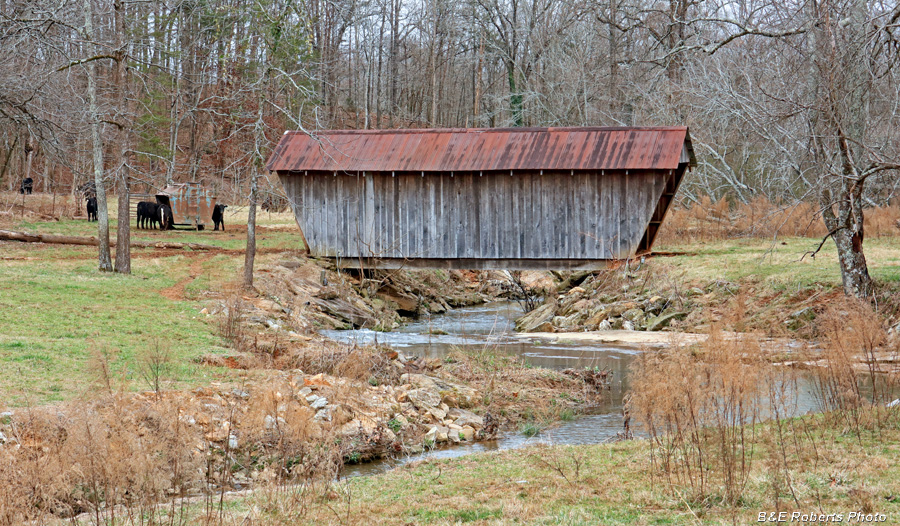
{"points": [[123, 228], [105, 263]]}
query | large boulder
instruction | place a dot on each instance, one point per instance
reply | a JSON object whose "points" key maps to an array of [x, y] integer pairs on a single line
{"points": [[618, 309], [662, 321], [571, 299], [635, 315], [465, 418], [597, 317], [569, 322], [423, 399], [536, 319], [358, 314], [454, 395], [403, 300]]}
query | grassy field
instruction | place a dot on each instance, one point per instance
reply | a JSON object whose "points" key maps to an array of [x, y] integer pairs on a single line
{"points": [[58, 313], [780, 264], [608, 484]]}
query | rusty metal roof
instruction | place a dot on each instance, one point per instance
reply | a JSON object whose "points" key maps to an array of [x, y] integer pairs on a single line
{"points": [[483, 149]]}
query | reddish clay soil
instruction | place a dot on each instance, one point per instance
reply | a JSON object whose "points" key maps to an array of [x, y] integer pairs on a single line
{"points": [[176, 291]]}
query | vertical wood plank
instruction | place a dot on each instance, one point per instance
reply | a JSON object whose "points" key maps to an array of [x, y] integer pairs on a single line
{"points": [[608, 203], [414, 225], [394, 215], [378, 227], [444, 217], [520, 227], [459, 213], [594, 212], [546, 231]]}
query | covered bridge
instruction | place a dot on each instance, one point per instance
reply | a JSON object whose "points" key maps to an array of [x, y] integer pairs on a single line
{"points": [[520, 198]]}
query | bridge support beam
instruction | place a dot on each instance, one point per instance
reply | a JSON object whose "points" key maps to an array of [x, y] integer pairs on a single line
{"points": [[474, 263]]}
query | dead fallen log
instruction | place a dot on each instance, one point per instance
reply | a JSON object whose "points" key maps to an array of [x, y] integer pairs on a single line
{"points": [[27, 237]]}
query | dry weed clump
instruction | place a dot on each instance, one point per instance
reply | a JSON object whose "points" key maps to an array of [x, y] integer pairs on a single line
{"points": [[231, 326], [855, 381], [514, 393], [96, 457], [286, 434], [371, 364], [708, 220], [715, 410], [138, 459], [700, 407]]}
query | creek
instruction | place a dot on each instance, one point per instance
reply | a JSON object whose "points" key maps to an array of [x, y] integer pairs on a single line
{"points": [[493, 325]]}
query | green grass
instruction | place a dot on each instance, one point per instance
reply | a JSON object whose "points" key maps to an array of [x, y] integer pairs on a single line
{"points": [[780, 264], [612, 486], [57, 311], [232, 239], [56, 314]]}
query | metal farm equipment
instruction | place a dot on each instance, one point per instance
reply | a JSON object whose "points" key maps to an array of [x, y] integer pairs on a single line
{"points": [[191, 205]]}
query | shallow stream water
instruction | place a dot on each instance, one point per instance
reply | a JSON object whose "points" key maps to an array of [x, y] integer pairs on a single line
{"points": [[493, 324]]}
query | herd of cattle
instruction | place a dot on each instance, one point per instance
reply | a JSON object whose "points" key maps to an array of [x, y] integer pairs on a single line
{"points": [[159, 215], [154, 215], [149, 215]]}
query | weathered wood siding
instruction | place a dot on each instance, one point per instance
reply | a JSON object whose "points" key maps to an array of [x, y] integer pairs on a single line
{"points": [[473, 216]]}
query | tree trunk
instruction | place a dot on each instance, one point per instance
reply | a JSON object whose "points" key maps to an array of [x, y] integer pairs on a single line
{"points": [[378, 122], [476, 105], [8, 156], [28, 237], [105, 262], [29, 156], [839, 93], [515, 97], [123, 225], [854, 270], [123, 229], [615, 103], [250, 253], [394, 61]]}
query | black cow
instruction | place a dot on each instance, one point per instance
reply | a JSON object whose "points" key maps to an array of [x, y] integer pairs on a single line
{"points": [[147, 214], [92, 209], [166, 219], [27, 185], [219, 216]]}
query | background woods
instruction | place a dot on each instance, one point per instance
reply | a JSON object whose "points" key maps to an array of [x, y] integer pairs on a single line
{"points": [[791, 100]]}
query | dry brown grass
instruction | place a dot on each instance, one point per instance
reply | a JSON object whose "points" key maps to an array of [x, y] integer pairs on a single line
{"points": [[95, 456], [39, 206], [515, 394], [707, 220], [704, 407], [126, 459], [367, 364], [699, 407], [853, 336]]}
